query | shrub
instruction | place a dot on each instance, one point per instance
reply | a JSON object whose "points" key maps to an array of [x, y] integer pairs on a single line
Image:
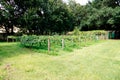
{"points": [[76, 31], [34, 41], [56, 44]]}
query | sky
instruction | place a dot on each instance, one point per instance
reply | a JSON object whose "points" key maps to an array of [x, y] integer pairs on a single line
{"points": [[82, 2]]}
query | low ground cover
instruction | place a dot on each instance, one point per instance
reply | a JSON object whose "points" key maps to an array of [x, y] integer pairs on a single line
{"points": [[100, 61]]}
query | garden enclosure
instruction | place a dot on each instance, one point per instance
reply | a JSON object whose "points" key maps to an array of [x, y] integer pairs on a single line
{"points": [[57, 42]]}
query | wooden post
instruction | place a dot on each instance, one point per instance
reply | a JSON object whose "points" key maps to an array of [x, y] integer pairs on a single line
{"points": [[97, 38], [85, 41], [12, 39], [79, 41], [72, 40], [48, 45], [63, 44], [106, 36], [7, 39], [79, 38], [102, 37]]}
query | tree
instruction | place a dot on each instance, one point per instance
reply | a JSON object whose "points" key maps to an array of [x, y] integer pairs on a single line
{"points": [[101, 14], [36, 16], [77, 13], [105, 3], [114, 21]]}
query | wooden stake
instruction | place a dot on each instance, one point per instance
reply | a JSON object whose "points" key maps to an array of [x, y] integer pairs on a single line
{"points": [[48, 45], [7, 39], [63, 44]]}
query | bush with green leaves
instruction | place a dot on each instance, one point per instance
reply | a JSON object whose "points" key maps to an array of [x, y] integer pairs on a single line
{"points": [[34, 41], [56, 43]]}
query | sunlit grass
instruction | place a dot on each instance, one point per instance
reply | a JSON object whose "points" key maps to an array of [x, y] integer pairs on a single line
{"points": [[100, 61]]}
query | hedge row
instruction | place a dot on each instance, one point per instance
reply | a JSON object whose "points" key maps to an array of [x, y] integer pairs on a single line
{"points": [[57, 41]]}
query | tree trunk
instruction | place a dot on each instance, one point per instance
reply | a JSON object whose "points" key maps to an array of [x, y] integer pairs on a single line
{"points": [[12, 28], [7, 30]]}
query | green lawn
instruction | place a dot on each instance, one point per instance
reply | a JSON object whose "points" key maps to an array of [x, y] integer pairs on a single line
{"points": [[100, 61]]}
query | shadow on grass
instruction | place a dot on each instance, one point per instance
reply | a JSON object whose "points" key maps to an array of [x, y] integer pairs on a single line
{"points": [[8, 50]]}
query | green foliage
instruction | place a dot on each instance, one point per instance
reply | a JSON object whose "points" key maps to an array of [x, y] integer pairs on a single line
{"points": [[100, 32], [36, 17], [55, 16], [76, 31], [105, 3], [34, 41], [100, 15], [56, 42]]}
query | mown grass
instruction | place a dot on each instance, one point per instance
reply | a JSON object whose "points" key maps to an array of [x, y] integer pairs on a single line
{"points": [[100, 61]]}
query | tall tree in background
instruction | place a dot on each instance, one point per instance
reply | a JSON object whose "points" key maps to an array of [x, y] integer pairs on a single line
{"points": [[8, 16], [105, 3], [55, 16], [36, 16], [77, 12], [101, 14]]}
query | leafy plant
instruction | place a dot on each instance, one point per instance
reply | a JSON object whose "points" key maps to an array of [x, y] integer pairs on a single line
{"points": [[58, 42]]}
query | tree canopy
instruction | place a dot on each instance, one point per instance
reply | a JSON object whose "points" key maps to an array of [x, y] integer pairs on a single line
{"points": [[56, 16]]}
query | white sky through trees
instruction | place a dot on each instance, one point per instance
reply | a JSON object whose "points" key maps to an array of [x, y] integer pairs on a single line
{"points": [[82, 2]]}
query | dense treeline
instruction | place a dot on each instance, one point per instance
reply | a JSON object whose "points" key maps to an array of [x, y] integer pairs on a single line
{"points": [[102, 14], [55, 16]]}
